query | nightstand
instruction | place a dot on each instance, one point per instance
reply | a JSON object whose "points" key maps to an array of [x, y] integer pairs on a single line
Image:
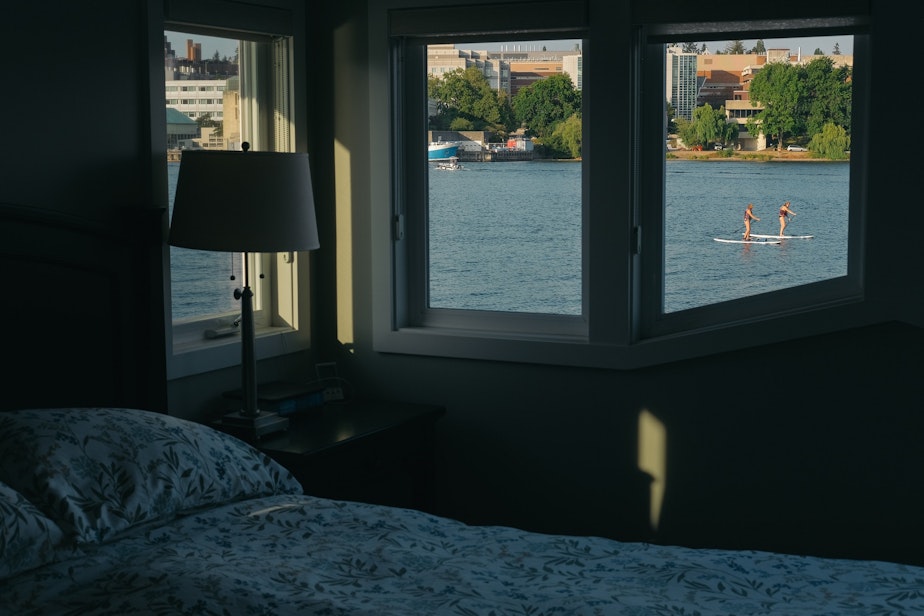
{"points": [[371, 451]]}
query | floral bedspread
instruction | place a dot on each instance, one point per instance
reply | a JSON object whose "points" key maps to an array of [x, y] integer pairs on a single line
{"points": [[296, 554]]}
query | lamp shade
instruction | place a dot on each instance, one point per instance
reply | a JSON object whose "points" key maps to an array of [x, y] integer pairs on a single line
{"points": [[244, 202]]}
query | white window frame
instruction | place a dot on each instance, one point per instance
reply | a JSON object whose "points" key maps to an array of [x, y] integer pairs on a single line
{"points": [[622, 325], [282, 295]]}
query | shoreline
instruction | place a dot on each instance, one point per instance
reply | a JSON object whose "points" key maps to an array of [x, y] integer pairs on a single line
{"points": [[748, 156]]}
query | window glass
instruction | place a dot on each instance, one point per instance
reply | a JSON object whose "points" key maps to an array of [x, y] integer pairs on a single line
{"points": [[202, 282], [760, 123], [504, 167]]}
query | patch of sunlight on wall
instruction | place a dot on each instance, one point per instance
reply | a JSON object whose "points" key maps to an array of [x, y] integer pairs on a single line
{"points": [[652, 459], [344, 234]]}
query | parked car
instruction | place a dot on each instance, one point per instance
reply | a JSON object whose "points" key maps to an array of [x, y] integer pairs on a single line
{"points": [[796, 148], [719, 146]]}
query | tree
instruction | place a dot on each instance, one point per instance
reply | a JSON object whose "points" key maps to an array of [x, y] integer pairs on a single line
{"points": [[216, 57], [818, 52], [541, 106], [837, 49], [828, 95], [734, 47], [464, 98], [568, 136], [831, 142], [759, 47], [779, 90]]}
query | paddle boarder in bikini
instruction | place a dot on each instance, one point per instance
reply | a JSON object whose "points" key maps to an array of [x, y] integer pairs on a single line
{"points": [[784, 212], [748, 217]]}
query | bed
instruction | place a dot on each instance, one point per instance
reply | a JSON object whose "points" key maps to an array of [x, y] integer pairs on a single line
{"points": [[125, 511]]}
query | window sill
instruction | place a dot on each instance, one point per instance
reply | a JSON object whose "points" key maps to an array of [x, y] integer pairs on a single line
{"points": [[197, 354], [582, 352]]}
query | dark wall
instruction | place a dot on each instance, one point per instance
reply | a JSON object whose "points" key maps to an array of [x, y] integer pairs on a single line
{"points": [[81, 227]]}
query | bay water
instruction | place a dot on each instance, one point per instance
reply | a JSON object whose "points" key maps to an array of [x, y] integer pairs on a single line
{"points": [[507, 236]]}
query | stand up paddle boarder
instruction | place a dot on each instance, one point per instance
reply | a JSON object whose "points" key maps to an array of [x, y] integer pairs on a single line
{"points": [[784, 212], [748, 217]]}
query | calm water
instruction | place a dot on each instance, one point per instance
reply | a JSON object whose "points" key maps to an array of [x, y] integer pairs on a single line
{"points": [[507, 236], [201, 280]]}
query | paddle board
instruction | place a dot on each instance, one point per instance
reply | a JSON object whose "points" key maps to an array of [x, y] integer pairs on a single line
{"points": [[722, 239], [784, 237]]}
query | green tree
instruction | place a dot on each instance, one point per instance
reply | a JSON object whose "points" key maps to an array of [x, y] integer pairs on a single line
{"points": [[759, 47], [734, 47], [831, 142], [819, 52], [687, 133], [568, 136], [828, 95], [777, 87], [543, 105], [837, 49], [464, 98]]}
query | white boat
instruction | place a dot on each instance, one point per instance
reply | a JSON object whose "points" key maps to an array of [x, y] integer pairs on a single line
{"points": [[442, 150], [451, 164]]}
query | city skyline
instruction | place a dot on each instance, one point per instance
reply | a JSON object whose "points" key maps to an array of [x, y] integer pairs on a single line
{"points": [[807, 45]]}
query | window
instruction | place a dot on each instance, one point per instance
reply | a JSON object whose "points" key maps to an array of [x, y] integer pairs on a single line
{"points": [[616, 284], [254, 79]]}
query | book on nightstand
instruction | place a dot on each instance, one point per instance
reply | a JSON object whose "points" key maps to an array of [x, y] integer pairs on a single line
{"points": [[285, 398]]}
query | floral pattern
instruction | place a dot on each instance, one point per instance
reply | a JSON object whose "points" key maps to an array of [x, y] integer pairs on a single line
{"points": [[27, 537], [160, 516], [99, 472], [297, 554]]}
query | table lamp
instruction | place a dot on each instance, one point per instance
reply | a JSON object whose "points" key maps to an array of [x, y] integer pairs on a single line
{"points": [[245, 202]]}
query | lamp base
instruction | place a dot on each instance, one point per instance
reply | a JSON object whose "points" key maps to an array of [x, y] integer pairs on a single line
{"points": [[253, 427]]}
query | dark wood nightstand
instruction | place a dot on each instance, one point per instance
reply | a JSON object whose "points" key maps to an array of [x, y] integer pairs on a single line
{"points": [[371, 451]]}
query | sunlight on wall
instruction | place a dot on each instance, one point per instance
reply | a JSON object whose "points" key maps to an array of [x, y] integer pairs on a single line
{"points": [[652, 459], [344, 225]]}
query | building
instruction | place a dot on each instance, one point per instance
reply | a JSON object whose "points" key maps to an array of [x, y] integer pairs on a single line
{"points": [[682, 83], [508, 69]]}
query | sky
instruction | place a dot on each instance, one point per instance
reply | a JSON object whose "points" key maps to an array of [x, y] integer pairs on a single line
{"points": [[808, 45], [226, 47]]}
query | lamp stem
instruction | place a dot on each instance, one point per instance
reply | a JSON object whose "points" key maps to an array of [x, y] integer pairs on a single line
{"points": [[248, 357]]}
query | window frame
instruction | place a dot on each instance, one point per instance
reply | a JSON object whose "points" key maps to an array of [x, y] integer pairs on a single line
{"points": [[282, 295], [622, 326]]}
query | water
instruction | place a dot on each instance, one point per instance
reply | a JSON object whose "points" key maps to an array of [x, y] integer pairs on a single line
{"points": [[507, 236], [707, 199], [200, 280]]}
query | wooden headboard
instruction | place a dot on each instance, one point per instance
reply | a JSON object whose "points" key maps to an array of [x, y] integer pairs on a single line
{"points": [[77, 312]]}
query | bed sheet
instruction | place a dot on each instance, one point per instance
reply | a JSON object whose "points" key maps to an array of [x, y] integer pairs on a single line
{"points": [[297, 554]]}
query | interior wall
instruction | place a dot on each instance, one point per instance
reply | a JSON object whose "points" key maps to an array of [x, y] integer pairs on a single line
{"points": [[87, 294], [809, 446]]}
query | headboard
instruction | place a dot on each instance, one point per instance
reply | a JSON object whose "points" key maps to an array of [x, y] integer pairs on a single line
{"points": [[77, 314]]}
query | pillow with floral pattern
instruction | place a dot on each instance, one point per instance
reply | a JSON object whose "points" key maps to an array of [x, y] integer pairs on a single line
{"points": [[98, 472], [27, 537]]}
